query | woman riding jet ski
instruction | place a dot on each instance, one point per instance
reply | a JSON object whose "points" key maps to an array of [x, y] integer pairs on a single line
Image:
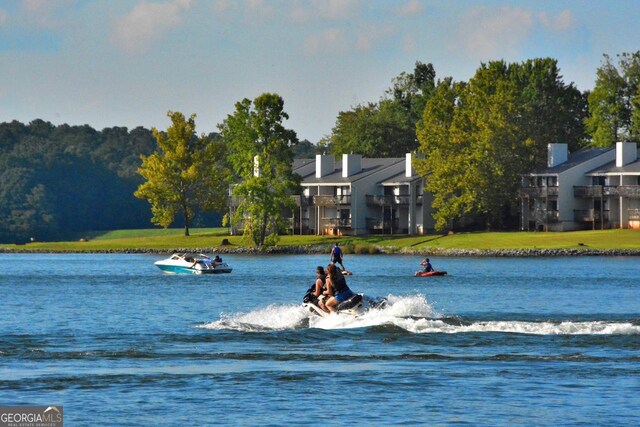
{"points": [[330, 293]]}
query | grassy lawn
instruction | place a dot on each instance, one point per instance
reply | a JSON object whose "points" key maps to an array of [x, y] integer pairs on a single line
{"points": [[159, 239]]}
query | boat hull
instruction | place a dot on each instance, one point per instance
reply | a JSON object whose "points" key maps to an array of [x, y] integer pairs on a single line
{"points": [[192, 264], [176, 269]]}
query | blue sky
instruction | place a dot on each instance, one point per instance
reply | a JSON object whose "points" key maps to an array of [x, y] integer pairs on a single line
{"points": [[128, 62]]}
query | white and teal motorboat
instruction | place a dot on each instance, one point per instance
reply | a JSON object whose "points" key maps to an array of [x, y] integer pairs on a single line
{"points": [[190, 263]]}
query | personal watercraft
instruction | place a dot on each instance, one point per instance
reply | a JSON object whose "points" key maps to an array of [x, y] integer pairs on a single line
{"points": [[354, 306], [430, 273]]}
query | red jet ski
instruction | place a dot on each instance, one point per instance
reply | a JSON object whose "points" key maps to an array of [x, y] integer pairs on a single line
{"points": [[430, 273]]}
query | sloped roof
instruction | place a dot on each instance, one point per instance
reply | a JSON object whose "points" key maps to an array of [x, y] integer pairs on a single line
{"points": [[574, 160], [369, 166], [610, 168], [400, 178]]}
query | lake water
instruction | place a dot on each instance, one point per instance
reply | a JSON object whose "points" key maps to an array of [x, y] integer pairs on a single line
{"points": [[541, 341]]}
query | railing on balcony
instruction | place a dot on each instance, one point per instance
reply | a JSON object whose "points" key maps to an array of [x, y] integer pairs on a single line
{"points": [[590, 215], [634, 214], [335, 222], [302, 200], [631, 191], [380, 225], [324, 200], [298, 226], [588, 191], [544, 191], [335, 226], [544, 216], [388, 200]]}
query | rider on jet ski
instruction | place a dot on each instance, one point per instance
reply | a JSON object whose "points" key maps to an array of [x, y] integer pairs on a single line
{"points": [[337, 289]]}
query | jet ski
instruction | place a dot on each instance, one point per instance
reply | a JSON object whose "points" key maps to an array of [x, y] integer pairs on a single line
{"points": [[430, 273], [354, 306]]}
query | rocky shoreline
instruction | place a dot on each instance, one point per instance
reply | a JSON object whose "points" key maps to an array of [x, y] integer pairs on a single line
{"points": [[325, 249]]}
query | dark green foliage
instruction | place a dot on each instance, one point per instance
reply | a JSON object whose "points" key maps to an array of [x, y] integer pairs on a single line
{"points": [[58, 180], [479, 137], [614, 103], [305, 150], [386, 128]]}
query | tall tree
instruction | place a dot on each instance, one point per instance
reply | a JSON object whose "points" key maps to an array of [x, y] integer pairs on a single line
{"points": [[386, 128], [478, 138], [261, 154], [185, 175], [614, 103], [606, 112]]}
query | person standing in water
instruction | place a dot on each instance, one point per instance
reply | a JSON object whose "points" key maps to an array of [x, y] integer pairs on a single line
{"points": [[336, 256]]}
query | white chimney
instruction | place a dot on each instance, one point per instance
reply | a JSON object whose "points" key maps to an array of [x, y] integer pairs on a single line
{"points": [[325, 164], [351, 164], [557, 154], [626, 153], [408, 166]]}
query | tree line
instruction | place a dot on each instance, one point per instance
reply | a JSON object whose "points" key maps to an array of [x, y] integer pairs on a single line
{"points": [[56, 181], [473, 139]]}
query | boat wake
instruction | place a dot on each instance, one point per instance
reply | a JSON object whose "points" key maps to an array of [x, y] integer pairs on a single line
{"points": [[411, 313]]}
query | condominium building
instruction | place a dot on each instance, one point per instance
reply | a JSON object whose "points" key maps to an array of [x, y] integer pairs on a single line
{"points": [[355, 195], [590, 189]]}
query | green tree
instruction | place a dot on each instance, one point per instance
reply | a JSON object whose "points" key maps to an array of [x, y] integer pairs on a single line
{"points": [[261, 154], [606, 112], [187, 174], [386, 128], [478, 138], [305, 150], [614, 103]]}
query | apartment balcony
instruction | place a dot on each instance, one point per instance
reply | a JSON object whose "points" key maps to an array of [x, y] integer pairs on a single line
{"points": [[380, 226], [302, 200], [298, 226], [544, 216], [591, 191], [630, 191], [335, 226], [634, 214], [389, 200], [323, 200], [544, 191], [590, 215]]}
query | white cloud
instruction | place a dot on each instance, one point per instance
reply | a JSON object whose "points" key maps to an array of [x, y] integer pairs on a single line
{"points": [[563, 21], [258, 10], [332, 40], [368, 36], [46, 13], [329, 10], [411, 8], [488, 33], [147, 23]]}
